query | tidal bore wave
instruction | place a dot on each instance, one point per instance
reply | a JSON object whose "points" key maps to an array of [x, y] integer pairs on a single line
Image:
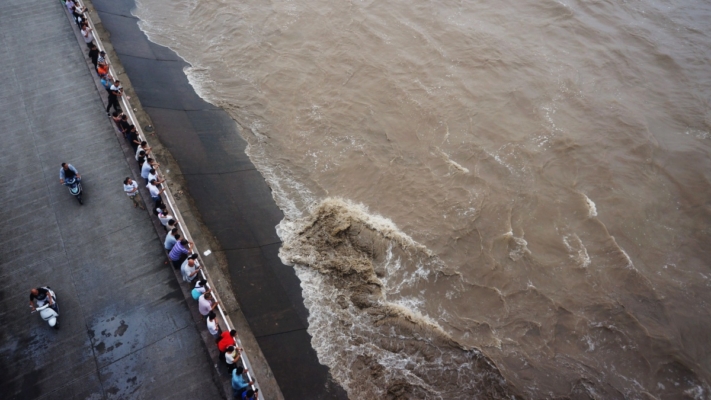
{"points": [[379, 348]]}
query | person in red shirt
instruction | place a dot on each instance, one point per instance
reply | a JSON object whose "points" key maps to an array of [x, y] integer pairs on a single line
{"points": [[227, 339]]}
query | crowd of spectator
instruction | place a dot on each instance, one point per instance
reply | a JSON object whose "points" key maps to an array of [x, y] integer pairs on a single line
{"points": [[180, 251]]}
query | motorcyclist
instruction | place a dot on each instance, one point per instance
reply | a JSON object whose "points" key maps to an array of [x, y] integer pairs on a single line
{"points": [[40, 295], [68, 171]]}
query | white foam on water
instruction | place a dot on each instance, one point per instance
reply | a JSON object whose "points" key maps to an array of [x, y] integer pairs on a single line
{"points": [[697, 393], [198, 78], [590, 343], [577, 248], [592, 209], [342, 337], [499, 160], [452, 163], [397, 278], [698, 133], [630, 264], [520, 248]]}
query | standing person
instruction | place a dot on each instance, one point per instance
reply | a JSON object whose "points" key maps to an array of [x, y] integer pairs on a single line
{"points": [[69, 4], [180, 252], [171, 239], [232, 355], [68, 171], [250, 394], [239, 381], [116, 117], [132, 137], [164, 217], [78, 12], [114, 93], [207, 303], [87, 34], [190, 268], [131, 188], [141, 157], [124, 125], [146, 168], [226, 340], [102, 70], [102, 66], [116, 87], [199, 289], [153, 175], [94, 54], [144, 147], [172, 224], [106, 81], [155, 193], [101, 60], [212, 326]]}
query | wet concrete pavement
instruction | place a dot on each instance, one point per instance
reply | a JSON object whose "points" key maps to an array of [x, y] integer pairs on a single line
{"points": [[125, 329], [233, 199]]}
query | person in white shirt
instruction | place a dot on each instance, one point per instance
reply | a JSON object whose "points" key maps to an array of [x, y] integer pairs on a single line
{"points": [[131, 188], [172, 224], [164, 218], [143, 147], [79, 17], [116, 87], [153, 175], [232, 355], [115, 91], [146, 168], [212, 326], [70, 4], [86, 33], [155, 193], [190, 268]]}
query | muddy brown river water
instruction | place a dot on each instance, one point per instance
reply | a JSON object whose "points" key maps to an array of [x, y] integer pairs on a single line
{"points": [[483, 199]]}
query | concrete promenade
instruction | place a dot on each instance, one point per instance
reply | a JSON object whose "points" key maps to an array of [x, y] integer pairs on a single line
{"points": [[126, 331]]}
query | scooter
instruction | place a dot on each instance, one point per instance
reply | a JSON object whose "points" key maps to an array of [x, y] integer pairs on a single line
{"points": [[74, 187], [49, 313]]}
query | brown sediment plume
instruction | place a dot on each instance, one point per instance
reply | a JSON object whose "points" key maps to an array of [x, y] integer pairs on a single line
{"points": [[375, 347]]}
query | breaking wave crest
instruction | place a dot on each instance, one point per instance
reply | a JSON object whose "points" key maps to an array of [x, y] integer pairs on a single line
{"points": [[375, 345]]}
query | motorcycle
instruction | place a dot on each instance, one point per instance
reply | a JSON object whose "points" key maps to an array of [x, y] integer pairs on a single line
{"points": [[49, 313], [75, 188]]}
